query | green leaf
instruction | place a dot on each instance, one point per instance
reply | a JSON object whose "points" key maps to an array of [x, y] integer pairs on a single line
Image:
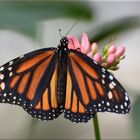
{"points": [[114, 27], [104, 51], [23, 15]]}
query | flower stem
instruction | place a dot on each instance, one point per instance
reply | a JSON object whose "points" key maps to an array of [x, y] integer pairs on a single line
{"points": [[96, 128]]}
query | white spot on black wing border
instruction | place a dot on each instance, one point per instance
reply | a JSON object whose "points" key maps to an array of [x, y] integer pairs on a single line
{"points": [[44, 115], [78, 117]]}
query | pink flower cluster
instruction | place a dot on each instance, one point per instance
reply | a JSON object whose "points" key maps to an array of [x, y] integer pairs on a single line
{"points": [[109, 58]]}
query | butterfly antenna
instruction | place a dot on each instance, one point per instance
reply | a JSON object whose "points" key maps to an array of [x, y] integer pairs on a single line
{"points": [[60, 33], [75, 23]]}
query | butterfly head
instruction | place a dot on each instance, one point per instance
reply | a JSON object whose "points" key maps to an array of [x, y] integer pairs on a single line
{"points": [[63, 43]]}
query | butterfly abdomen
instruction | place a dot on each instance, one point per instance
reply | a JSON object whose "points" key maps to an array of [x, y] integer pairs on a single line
{"points": [[61, 91]]}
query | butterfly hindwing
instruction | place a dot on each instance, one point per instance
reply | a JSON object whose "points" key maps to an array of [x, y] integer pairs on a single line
{"points": [[29, 81], [74, 109], [93, 87], [48, 107]]}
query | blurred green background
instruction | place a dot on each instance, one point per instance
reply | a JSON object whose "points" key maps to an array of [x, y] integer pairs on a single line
{"points": [[29, 25]]}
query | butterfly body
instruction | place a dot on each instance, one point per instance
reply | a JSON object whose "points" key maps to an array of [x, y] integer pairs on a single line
{"points": [[52, 81], [62, 52]]}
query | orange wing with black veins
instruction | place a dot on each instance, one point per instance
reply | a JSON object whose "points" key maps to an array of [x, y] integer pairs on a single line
{"points": [[31, 82], [91, 89]]}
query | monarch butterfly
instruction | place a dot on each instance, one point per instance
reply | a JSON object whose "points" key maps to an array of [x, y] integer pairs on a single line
{"points": [[51, 81]]}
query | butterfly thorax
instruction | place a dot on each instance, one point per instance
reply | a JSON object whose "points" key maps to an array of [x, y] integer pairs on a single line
{"points": [[62, 70], [62, 48]]}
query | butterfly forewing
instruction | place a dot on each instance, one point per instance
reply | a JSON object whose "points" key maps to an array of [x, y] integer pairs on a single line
{"points": [[93, 87], [31, 82]]}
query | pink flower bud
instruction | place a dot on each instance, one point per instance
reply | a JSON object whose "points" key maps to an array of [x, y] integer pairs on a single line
{"points": [[111, 49], [94, 47], [85, 43], [98, 58], [73, 42], [70, 44], [111, 59], [120, 52]]}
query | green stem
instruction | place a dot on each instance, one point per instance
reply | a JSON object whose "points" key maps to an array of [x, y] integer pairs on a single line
{"points": [[96, 128]]}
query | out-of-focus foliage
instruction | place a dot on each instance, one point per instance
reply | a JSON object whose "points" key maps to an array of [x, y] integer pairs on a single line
{"points": [[23, 15], [114, 27]]}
